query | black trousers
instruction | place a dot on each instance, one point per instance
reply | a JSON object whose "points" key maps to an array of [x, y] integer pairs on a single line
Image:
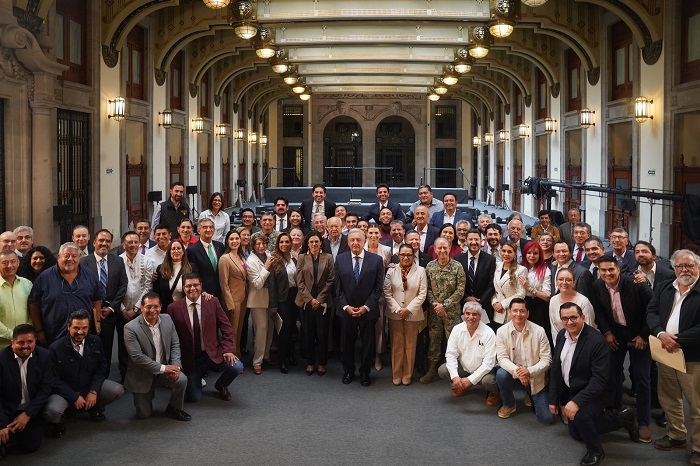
{"points": [[285, 310], [351, 327], [111, 324], [315, 329], [29, 440], [590, 422]]}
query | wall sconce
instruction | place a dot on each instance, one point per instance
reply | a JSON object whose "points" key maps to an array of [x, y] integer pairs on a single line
{"points": [[222, 130], [263, 140], [503, 135], [488, 138], [549, 126], [165, 119], [523, 131], [239, 134], [642, 109], [586, 118], [476, 141], [198, 125], [117, 108], [253, 138]]}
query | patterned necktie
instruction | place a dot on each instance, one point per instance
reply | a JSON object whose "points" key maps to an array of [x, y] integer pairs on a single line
{"points": [[197, 330], [212, 256], [281, 226], [356, 269], [103, 274], [143, 249], [470, 275], [595, 272]]}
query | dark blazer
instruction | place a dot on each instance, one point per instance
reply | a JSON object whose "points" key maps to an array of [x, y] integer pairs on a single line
{"points": [[438, 218], [659, 310], [306, 206], [162, 286], [198, 256], [279, 285], [590, 377], [423, 259], [628, 264], [584, 279], [366, 292], [151, 243], [213, 320], [662, 274], [373, 213], [40, 379], [75, 374], [432, 234], [117, 280], [523, 242], [483, 279], [343, 245], [634, 298]]}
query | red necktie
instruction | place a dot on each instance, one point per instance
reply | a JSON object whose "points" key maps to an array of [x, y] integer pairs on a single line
{"points": [[578, 255]]}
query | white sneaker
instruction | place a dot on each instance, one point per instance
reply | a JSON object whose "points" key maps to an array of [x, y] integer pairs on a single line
{"points": [[204, 383]]}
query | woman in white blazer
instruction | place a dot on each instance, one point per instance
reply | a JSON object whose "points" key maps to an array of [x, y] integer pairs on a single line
{"points": [[405, 289], [258, 269], [506, 283]]}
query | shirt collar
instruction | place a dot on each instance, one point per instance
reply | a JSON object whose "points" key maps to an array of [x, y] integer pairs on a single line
{"points": [[198, 302], [362, 255], [574, 339], [616, 288], [204, 243], [157, 325], [17, 358]]}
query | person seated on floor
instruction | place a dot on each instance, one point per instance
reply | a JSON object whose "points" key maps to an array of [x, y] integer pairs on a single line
{"points": [[81, 371], [524, 356], [470, 357]]}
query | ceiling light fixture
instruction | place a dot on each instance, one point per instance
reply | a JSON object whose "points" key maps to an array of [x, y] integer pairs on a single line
{"points": [[216, 4], [481, 39], [241, 20]]}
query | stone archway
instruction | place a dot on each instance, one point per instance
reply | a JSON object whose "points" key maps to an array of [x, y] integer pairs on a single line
{"points": [[342, 152], [395, 147]]}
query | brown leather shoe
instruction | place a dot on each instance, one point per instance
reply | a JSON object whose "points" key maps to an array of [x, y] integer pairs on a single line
{"points": [[224, 394], [694, 458], [492, 399], [644, 434], [257, 369], [457, 392]]}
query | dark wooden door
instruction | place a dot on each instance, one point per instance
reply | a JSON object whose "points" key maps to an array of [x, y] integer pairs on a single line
{"points": [[572, 197], [73, 168], [204, 184], [686, 181], [620, 176], [136, 191]]}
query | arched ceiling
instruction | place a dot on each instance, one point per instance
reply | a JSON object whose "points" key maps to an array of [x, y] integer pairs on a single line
{"points": [[343, 46]]}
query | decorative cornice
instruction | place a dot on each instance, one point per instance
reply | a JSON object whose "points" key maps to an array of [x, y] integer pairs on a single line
{"points": [[28, 51]]}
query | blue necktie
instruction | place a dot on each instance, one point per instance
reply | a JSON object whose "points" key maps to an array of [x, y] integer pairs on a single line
{"points": [[103, 275], [356, 269]]}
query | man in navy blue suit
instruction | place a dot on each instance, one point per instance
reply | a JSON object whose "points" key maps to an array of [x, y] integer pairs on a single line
{"points": [[317, 205], [619, 240], [359, 276], [205, 255], [450, 214], [384, 201]]}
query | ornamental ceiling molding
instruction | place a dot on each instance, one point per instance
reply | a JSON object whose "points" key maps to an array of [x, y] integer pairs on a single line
{"points": [[11, 68], [27, 50]]}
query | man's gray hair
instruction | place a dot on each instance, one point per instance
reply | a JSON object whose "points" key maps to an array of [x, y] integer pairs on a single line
{"points": [[683, 252], [68, 245], [23, 228], [357, 230], [473, 306]]}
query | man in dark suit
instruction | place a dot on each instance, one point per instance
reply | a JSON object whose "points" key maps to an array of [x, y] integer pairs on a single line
{"points": [[205, 255], [582, 384], [336, 242], [198, 323], [450, 214], [673, 316], [566, 230], [143, 229], [421, 259], [154, 360], [515, 231], [81, 375], [649, 271], [563, 260], [582, 231], [479, 268], [619, 306], [114, 285], [384, 201], [594, 251], [397, 230], [619, 240], [23, 398], [81, 237], [359, 277], [318, 204], [428, 234], [281, 216]]}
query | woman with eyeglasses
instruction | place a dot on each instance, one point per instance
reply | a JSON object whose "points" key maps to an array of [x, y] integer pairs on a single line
{"points": [[405, 290], [234, 285], [168, 283], [566, 283], [546, 241], [537, 283], [222, 221], [38, 259]]}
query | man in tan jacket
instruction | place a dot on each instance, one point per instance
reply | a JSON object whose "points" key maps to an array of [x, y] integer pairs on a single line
{"points": [[524, 355]]}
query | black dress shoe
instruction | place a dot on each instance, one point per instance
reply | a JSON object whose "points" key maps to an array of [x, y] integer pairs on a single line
{"points": [[592, 459], [178, 414], [630, 424], [284, 368], [224, 394], [365, 380], [97, 415], [293, 361], [347, 377], [58, 430], [661, 421]]}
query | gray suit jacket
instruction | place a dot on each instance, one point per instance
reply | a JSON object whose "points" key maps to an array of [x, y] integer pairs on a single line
{"points": [[138, 340]]}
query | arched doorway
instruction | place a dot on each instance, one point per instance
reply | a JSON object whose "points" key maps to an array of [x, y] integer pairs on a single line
{"points": [[396, 148], [342, 152]]}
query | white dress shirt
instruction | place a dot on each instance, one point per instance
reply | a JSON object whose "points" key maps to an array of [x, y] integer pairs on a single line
{"points": [[567, 355], [23, 376], [198, 303], [156, 254], [157, 343], [475, 353], [674, 319]]}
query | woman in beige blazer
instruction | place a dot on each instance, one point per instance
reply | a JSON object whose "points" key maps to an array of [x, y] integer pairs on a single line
{"points": [[234, 285], [405, 289], [258, 269], [506, 283], [315, 280]]}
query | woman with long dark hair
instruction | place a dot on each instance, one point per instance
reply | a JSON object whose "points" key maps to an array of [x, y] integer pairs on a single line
{"points": [[537, 283], [282, 296], [234, 285], [168, 283], [37, 259], [506, 283]]}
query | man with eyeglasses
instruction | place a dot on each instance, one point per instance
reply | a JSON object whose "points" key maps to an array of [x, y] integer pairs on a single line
{"points": [[61, 289], [25, 239], [673, 315], [581, 388], [619, 240], [248, 220], [619, 305]]}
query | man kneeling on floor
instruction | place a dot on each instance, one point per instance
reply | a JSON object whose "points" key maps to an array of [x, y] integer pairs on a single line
{"points": [[81, 369], [471, 355], [524, 356]]}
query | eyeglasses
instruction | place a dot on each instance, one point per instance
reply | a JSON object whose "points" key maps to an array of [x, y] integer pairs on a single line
{"points": [[405, 255], [618, 237], [569, 319], [175, 249], [519, 311], [684, 266]]}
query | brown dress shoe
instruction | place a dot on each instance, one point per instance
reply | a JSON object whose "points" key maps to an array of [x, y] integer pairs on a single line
{"points": [[492, 399], [457, 392], [224, 394], [257, 369]]}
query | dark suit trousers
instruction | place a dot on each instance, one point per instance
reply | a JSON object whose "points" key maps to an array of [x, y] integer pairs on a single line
{"points": [[29, 440], [114, 322], [640, 371], [351, 327], [590, 422], [285, 309], [202, 363], [315, 327]]}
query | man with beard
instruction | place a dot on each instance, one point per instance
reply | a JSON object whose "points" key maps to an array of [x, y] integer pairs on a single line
{"points": [[493, 238], [25, 240], [384, 201], [172, 210], [594, 251], [385, 219]]}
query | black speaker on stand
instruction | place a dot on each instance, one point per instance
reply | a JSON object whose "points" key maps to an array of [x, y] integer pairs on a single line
{"points": [[192, 191]]}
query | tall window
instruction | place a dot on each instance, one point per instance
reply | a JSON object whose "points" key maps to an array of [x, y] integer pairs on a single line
{"points": [[176, 82], [445, 122], [71, 35], [293, 121], [135, 50], [542, 110], [621, 61], [573, 92], [446, 157], [204, 96], [690, 41]]}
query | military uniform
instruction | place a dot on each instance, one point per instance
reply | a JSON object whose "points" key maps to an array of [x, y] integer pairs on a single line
{"points": [[445, 286], [272, 240]]}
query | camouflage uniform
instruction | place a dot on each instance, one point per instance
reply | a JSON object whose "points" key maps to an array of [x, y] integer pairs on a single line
{"points": [[445, 286], [272, 238]]}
